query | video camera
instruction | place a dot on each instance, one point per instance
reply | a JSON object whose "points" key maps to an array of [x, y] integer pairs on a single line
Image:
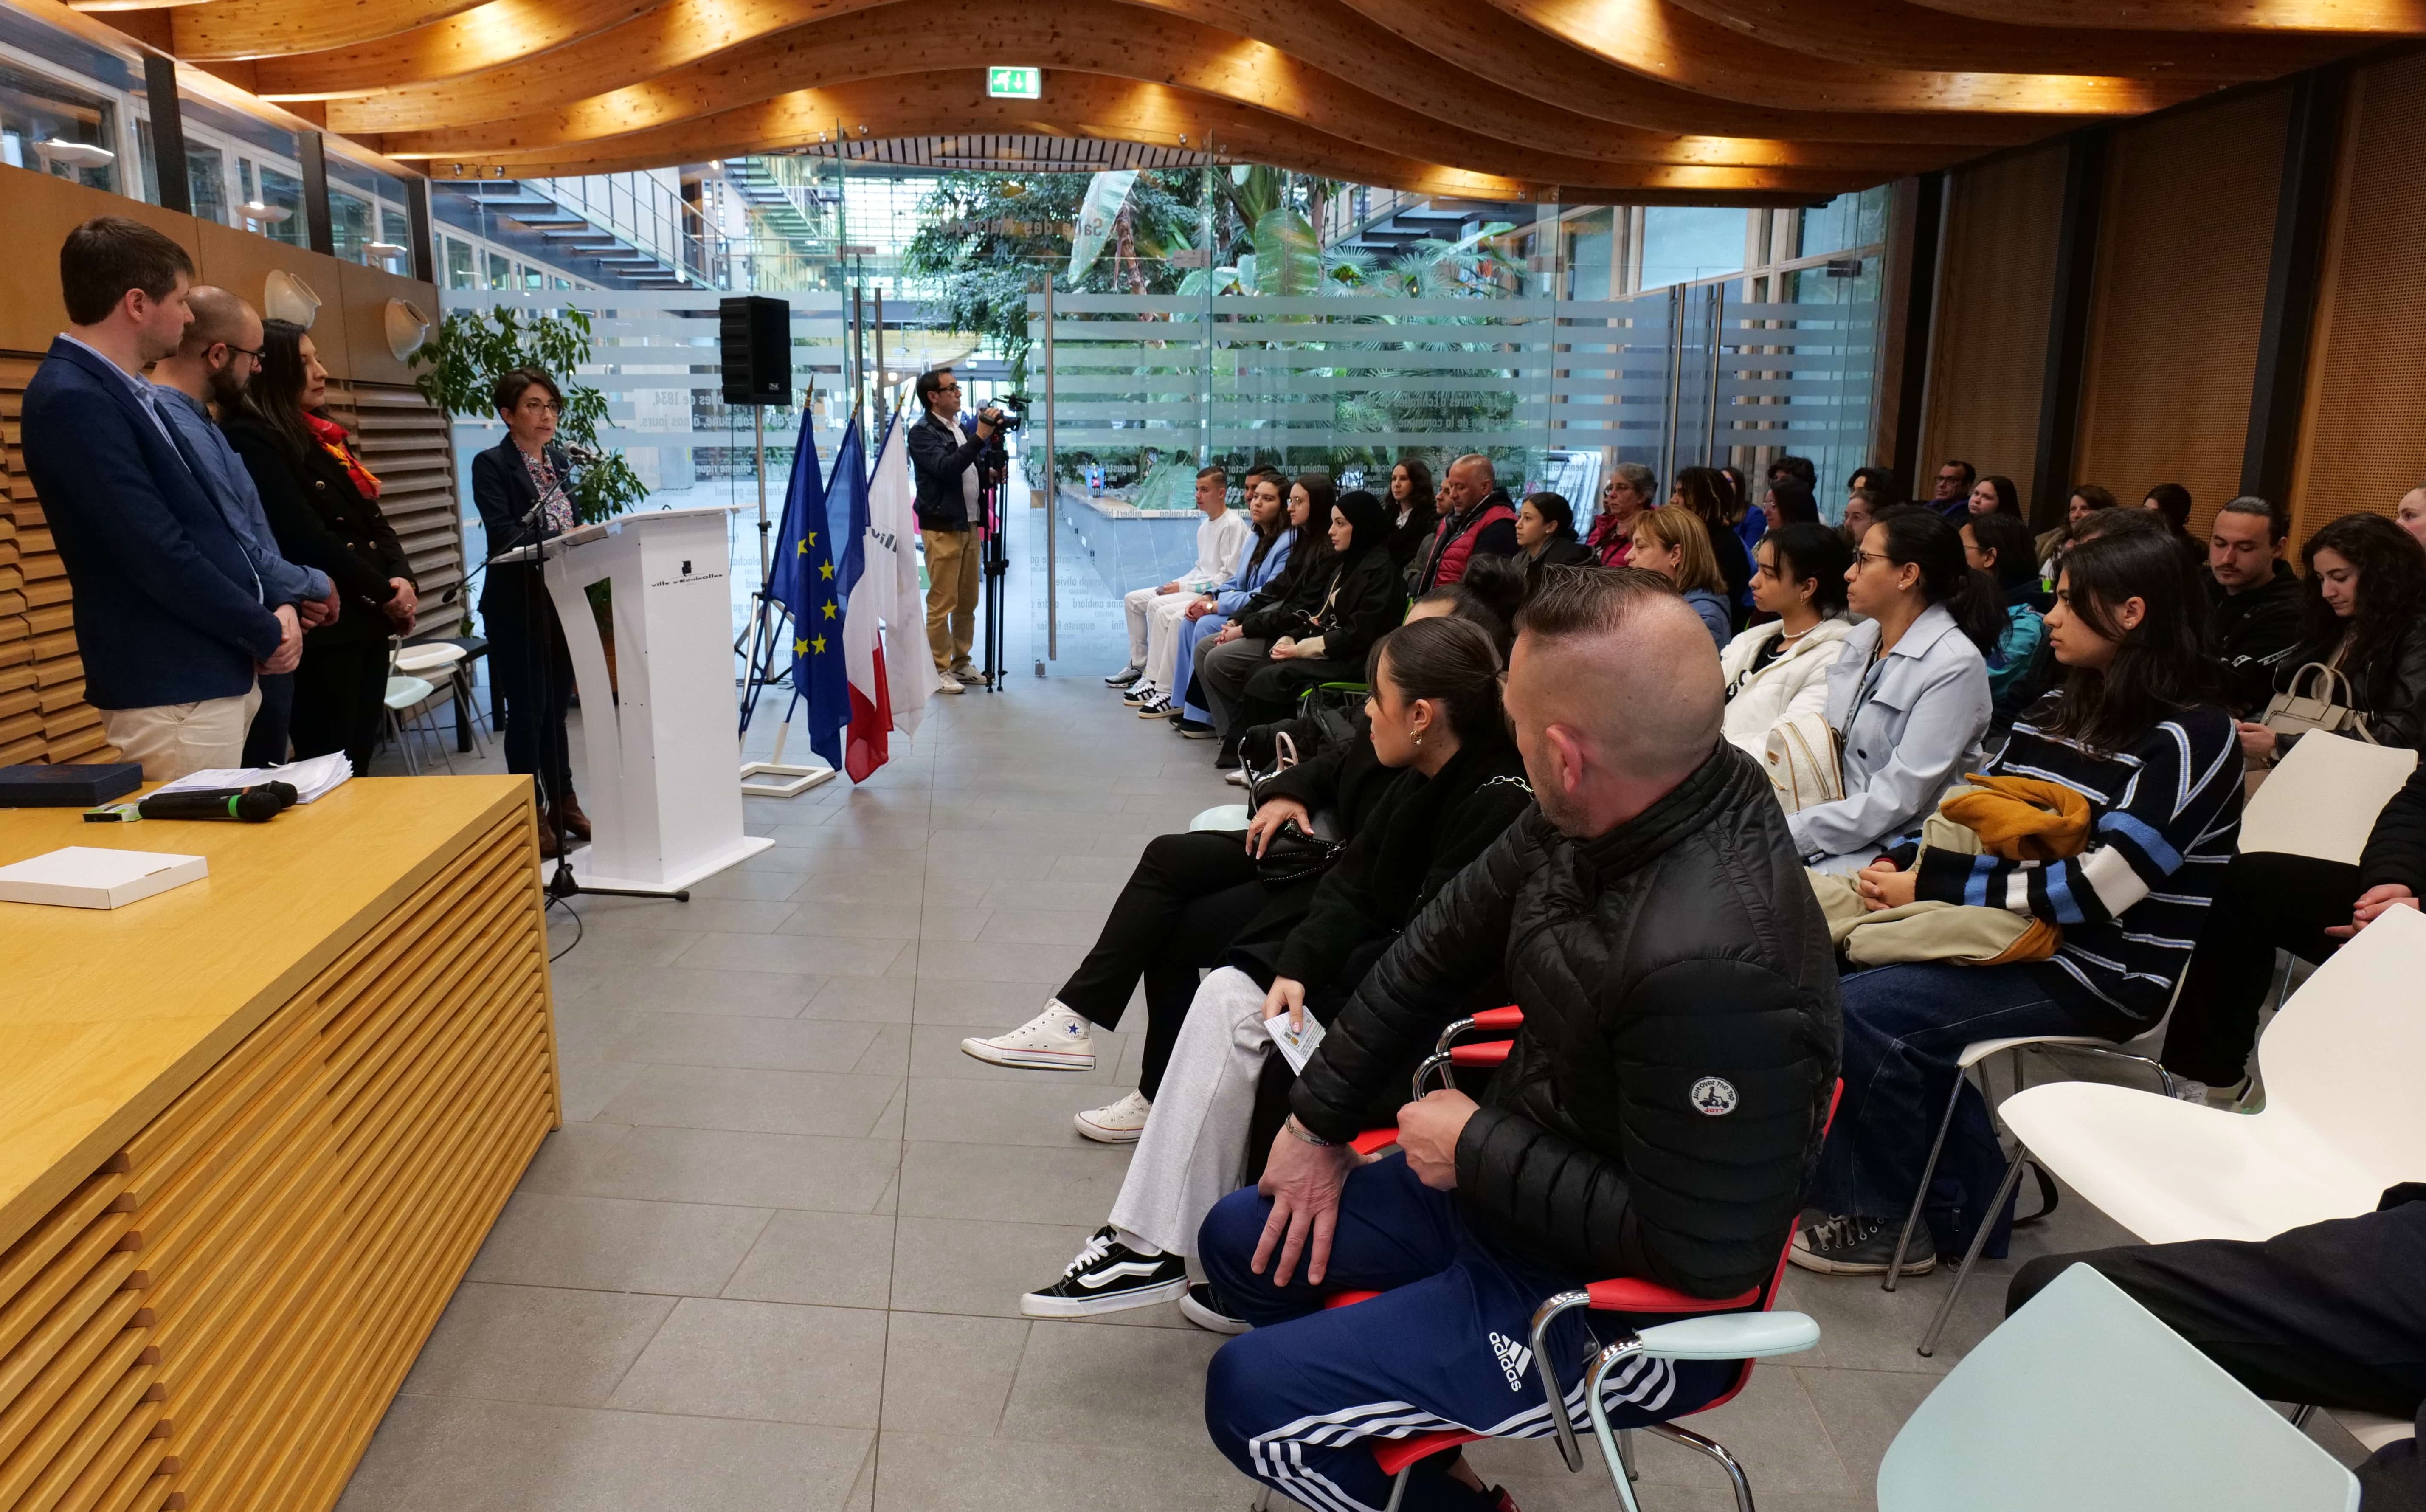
{"points": [[1006, 413]]}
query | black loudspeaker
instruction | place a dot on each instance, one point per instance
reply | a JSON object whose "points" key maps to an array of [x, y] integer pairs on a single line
{"points": [[754, 337]]}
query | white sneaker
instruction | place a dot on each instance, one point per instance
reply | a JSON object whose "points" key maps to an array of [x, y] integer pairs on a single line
{"points": [[947, 683], [1235, 776], [1054, 1040], [1115, 1123]]}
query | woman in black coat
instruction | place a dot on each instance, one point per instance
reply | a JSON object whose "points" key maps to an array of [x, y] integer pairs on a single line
{"points": [[1458, 783], [1361, 598], [520, 487], [322, 505]]}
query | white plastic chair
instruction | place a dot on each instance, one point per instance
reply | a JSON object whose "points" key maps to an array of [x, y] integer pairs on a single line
{"points": [[2083, 1402], [430, 660], [411, 696], [2342, 1122]]}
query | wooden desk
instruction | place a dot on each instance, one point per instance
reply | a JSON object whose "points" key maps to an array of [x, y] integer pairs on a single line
{"points": [[252, 1133]]}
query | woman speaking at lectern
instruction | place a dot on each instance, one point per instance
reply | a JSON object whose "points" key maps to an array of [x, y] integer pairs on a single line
{"points": [[521, 486]]}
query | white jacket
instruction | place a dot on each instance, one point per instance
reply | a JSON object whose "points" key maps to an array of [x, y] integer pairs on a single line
{"points": [[1217, 550], [1795, 683]]}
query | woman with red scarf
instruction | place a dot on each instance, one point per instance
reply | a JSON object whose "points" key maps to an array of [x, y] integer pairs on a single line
{"points": [[323, 506]]}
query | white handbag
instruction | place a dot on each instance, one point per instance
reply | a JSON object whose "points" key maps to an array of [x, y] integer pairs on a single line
{"points": [[1801, 760], [2318, 697]]}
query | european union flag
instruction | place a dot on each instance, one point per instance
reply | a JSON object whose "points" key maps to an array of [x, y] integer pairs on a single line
{"points": [[804, 584]]}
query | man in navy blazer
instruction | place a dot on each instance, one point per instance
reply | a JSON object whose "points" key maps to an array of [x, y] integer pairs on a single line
{"points": [[171, 618]]}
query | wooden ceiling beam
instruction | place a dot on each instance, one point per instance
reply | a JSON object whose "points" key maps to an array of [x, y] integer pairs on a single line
{"points": [[1473, 38], [1905, 35], [1089, 35], [1661, 40], [251, 28], [2379, 19], [954, 103]]}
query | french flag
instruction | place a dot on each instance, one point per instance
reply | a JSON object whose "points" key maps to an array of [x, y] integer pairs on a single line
{"points": [[867, 743]]}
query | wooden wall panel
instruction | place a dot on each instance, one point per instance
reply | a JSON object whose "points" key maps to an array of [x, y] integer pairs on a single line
{"points": [[2185, 240], [221, 1315], [2363, 437], [242, 262], [1988, 350], [39, 210]]}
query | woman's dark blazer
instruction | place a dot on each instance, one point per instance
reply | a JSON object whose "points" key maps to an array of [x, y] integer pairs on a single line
{"points": [[320, 519], [502, 490]]}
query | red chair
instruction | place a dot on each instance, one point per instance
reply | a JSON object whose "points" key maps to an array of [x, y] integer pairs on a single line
{"points": [[1740, 1327]]}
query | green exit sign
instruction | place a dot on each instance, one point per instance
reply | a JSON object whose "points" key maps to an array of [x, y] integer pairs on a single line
{"points": [[1015, 83]]}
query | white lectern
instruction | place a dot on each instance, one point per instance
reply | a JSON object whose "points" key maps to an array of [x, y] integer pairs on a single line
{"points": [[658, 737]]}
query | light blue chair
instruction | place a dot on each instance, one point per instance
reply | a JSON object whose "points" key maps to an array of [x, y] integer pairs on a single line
{"points": [[2083, 1402], [1223, 817]]}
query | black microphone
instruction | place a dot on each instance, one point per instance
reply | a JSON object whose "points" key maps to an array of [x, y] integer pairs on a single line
{"points": [[253, 805], [580, 453]]}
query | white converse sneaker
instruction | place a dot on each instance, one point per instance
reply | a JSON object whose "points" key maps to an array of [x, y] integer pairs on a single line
{"points": [[1115, 1123], [1054, 1040]]}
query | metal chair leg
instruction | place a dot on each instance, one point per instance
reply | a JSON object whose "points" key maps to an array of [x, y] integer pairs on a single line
{"points": [[1625, 1454], [1716, 1451], [403, 746], [1621, 1474], [1554, 1391], [428, 716], [1978, 1239], [2301, 1414], [1920, 1194], [1398, 1490]]}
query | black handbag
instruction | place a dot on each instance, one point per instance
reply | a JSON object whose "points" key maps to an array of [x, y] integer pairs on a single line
{"points": [[1292, 856]]}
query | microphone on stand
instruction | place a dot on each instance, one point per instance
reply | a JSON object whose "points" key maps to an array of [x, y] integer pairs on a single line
{"points": [[581, 454]]}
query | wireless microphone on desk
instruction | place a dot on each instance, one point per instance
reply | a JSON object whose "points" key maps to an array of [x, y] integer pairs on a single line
{"points": [[253, 806]]}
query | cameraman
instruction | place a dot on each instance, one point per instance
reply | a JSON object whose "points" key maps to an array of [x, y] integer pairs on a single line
{"points": [[947, 463]]}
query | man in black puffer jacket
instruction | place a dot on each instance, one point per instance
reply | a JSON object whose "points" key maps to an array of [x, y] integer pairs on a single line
{"points": [[1657, 1116]]}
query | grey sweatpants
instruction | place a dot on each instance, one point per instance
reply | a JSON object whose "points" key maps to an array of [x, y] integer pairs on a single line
{"points": [[1194, 1152]]}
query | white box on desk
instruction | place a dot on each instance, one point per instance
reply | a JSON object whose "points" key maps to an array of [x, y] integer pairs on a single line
{"points": [[85, 876]]}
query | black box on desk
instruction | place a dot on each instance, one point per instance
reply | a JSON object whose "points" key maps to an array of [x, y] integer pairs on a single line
{"points": [[69, 786]]}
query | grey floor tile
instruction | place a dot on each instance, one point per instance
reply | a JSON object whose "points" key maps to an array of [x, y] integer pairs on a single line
{"points": [[1113, 869], [888, 1052], [1047, 965], [977, 1268], [751, 887], [792, 953], [544, 1238], [953, 923], [1772, 1428], [837, 1259], [681, 990], [700, 915], [592, 1034], [566, 1152], [830, 917], [1862, 1411], [1093, 897], [535, 1344], [587, 1086], [608, 950], [1011, 926], [765, 1102], [935, 1052], [1033, 1110], [498, 1457], [949, 1373], [1084, 1382], [974, 1005], [863, 1000], [923, 1474], [752, 1044], [727, 1166], [772, 1361]]}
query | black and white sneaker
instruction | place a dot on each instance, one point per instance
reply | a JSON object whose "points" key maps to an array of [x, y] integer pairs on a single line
{"points": [[1124, 676], [1141, 695], [1205, 1308], [1193, 729], [1109, 1276], [1841, 1244], [1156, 707]]}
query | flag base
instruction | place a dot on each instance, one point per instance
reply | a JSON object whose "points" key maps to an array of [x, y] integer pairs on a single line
{"points": [[795, 780]]}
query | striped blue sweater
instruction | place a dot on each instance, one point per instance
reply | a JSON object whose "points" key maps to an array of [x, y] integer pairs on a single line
{"points": [[2165, 818]]}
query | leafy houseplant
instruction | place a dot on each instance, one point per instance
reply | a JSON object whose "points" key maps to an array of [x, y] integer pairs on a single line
{"points": [[472, 350]]}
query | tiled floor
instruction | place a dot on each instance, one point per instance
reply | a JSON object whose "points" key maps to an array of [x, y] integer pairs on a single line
{"points": [[773, 1260]]}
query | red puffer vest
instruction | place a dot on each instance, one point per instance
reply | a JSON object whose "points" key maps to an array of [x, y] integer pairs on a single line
{"points": [[1450, 559]]}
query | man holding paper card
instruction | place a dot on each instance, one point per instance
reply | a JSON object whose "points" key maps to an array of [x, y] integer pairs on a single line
{"points": [[1436, 721]]}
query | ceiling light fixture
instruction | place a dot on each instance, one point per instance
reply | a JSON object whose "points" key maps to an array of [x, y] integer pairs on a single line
{"points": [[268, 215], [74, 153]]}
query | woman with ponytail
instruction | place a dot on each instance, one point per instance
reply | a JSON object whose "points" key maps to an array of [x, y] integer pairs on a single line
{"points": [[1908, 696]]}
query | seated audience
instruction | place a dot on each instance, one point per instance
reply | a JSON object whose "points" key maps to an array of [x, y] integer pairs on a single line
{"points": [[1799, 469], [2172, 503], [1655, 1120], [1224, 661], [2140, 734], [1631, 489], [2410, 513], [1950, 495], [1363, 597], [1781, 668], [2253, 599], [323, 505], [2271, 901], [1453, 784], [1414, 511], [1671, 542], [1154, 614], [1863, 506], [1261, 558], [1476, 519], [2363, 614], [2000, 545], [1787, 502], [1908, 695], [1545, 534], [2327, 1315], [1995, 494], [2049, 550], [1707, 496], [1880, 482]]}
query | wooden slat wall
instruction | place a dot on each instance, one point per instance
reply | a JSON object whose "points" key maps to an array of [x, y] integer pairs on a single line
{"points": [[1987, 359], [2184, 242], [2363, 437], [220, 1316], [44, 716]]}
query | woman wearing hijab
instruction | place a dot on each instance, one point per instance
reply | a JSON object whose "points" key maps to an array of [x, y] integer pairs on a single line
{"points": [[1363, 597]]}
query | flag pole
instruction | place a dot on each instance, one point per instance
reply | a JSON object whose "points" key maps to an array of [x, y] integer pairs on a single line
{"points": [[779, 780]]}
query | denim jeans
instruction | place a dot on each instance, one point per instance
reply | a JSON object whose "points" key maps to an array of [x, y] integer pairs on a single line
{"points": [[1904, 1028]]}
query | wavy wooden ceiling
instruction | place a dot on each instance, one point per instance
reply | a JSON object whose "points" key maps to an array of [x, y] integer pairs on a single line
{"points": [[1659, 101]]}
